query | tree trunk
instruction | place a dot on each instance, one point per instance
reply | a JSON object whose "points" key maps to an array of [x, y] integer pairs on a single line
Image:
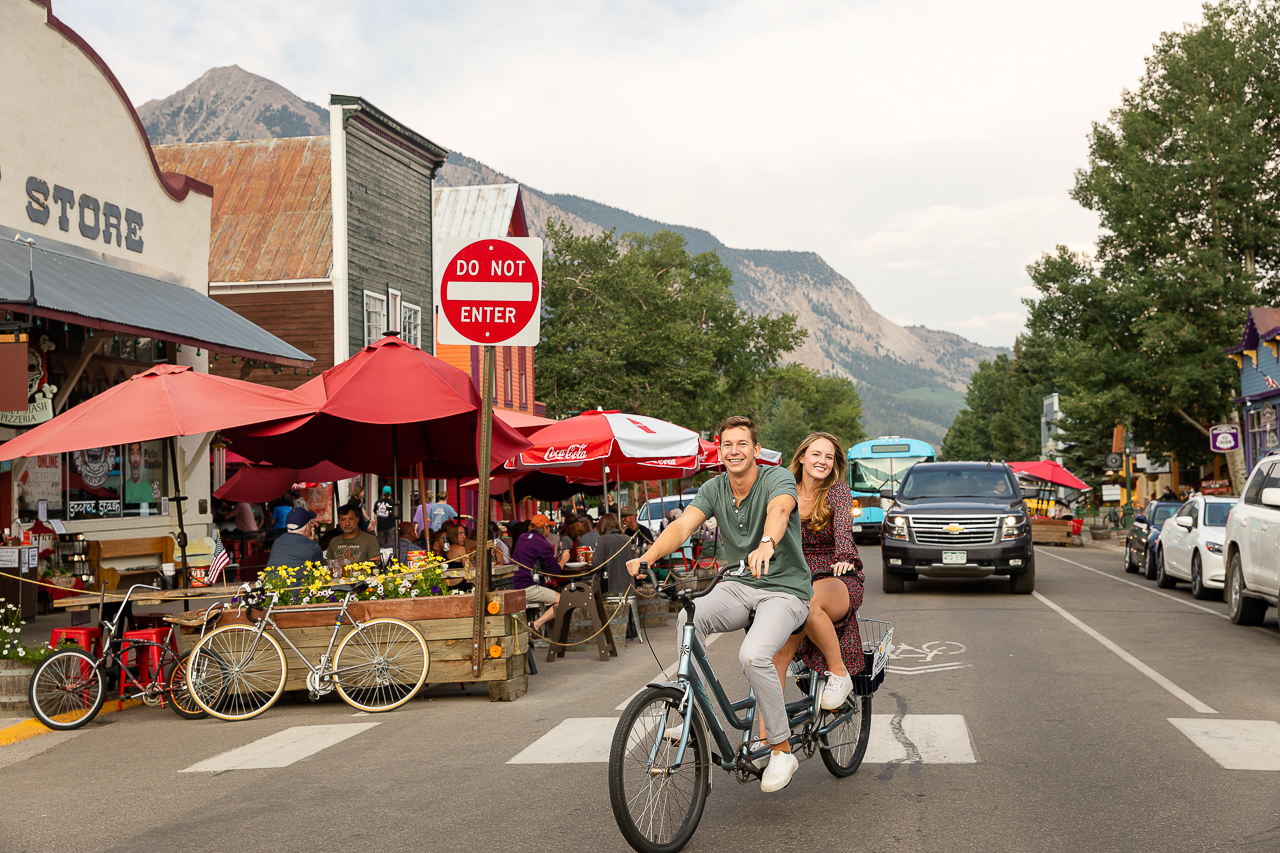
{"points": [[1235, 459]]}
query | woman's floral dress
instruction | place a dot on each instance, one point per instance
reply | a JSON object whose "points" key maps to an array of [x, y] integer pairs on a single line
{"points": [[834, 544]]}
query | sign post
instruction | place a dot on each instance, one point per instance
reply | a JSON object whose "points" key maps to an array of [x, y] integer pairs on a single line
{"points": [[488, 293]]}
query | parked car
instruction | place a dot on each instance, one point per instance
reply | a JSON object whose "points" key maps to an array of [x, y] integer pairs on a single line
{"points": [[957, 520], [1252, 545], [653, 511], [1140, 543], [1190, 546]]}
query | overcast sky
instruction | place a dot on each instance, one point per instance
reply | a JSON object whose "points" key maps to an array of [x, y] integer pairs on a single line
{"points": [[924, 148]]}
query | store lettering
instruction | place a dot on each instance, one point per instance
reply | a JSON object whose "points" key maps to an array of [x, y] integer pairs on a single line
{"points": [[96, 218]]}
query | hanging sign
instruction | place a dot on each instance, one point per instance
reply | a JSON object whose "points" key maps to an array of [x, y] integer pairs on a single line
{"points": [[1224, 438], [489, 292]]}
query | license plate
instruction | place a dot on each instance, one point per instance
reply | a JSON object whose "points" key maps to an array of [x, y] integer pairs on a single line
{"points": [[857, 528], [954, 558]]}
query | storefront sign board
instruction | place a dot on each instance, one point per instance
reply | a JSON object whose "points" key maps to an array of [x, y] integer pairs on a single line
{"points": [[1225, 438]]}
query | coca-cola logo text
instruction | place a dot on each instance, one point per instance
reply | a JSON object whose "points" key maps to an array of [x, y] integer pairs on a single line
{"points": [[568, 454]]}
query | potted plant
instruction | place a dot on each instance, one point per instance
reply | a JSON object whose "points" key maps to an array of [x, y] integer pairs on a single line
{"points": [[17, 660]]}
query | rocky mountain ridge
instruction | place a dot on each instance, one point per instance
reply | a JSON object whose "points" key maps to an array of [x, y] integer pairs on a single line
{"points": [[911, 378]]}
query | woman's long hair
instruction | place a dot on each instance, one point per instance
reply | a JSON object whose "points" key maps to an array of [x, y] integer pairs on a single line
{"points": [[820, 517]]}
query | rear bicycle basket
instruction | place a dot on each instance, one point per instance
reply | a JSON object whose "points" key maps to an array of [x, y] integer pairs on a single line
{"points": [[877, 642]]}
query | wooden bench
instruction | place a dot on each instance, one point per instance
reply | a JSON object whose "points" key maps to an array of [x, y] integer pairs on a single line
{"points": [[1050, 531], [123, 549]]}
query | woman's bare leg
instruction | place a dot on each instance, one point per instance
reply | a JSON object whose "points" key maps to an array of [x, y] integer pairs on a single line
{"points": [[829, 605]]}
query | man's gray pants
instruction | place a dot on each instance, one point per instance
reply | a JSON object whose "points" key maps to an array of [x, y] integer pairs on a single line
{"points": [[728, 608]]}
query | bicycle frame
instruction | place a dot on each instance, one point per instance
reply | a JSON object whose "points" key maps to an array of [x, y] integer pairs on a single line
{"points": [[691, 684], [323, 669]]}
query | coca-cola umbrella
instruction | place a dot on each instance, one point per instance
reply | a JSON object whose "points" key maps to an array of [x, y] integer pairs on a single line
{"points": [[710, 457], [584, 445], [258, 483], [166, 401], [385, 409], [538, 485]]}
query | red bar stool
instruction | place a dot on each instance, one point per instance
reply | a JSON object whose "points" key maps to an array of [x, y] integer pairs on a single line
{"points": [[152, 661], [89, 639]]}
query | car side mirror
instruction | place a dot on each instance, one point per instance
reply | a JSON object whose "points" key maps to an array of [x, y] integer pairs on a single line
{"points": [[1185, 522], [887, 493], [1139, 519], [1270, 497]]}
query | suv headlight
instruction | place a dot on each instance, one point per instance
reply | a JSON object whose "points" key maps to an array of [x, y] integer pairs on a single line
{"points": [[895, 527], [857, 508], [1213, 547], [1013, 527]]}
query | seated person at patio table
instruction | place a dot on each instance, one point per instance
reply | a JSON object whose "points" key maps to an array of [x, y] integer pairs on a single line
{"points": [[354, 545], [297, 545], [533, 552]]}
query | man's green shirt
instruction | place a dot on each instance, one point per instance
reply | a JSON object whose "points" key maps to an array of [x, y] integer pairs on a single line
{"points": [[741, 528]]}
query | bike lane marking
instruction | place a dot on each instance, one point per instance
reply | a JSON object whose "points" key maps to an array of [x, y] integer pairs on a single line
{"points": [[1194, 703], [280, 749], [1158, 592]]}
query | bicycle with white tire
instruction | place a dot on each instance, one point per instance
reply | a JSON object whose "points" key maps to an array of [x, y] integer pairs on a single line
{"points": [[378, 665]]}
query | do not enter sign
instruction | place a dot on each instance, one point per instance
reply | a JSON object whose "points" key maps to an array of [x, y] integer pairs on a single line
{"points": [[489, 292]]}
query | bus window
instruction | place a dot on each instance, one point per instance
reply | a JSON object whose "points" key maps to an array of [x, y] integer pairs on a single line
{"points": [[872, 475]]}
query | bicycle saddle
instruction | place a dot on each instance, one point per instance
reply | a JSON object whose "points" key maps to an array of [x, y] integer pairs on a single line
{"points": [[357, 588]]}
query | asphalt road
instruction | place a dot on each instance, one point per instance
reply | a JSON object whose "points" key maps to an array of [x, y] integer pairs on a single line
{"points": [[1024, 723]]}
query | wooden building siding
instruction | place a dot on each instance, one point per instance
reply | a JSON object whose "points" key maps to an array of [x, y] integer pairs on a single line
{"points": [[388, 229], [302, 318]]}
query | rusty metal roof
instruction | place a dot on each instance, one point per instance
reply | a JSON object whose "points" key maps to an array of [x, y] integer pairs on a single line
{"points": [[272, 213], [493, 210]]}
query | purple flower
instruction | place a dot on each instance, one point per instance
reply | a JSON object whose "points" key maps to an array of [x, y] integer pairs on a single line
{"points": [[435, 590]]}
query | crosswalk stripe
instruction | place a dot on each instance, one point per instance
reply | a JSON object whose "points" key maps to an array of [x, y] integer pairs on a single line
{"points": [[280, 749], [1235, 744], [911, 738]]}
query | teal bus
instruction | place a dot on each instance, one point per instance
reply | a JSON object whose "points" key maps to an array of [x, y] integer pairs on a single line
{"points": [[875, 465]]}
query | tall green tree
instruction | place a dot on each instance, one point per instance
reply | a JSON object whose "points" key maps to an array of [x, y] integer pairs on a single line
{"points": [[1185, 177], [636, 323], [1003, 404], [793, 401]]}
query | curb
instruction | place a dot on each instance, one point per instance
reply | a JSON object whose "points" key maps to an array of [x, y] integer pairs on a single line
{"points": [[28, 729]]}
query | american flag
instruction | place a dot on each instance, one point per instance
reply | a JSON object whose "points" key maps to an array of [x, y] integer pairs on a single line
{"points": [[219, 562]]}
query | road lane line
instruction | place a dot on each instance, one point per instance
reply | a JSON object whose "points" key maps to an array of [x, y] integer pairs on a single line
{"points": [[577, 740], [666, 674], [1192, 604], [1194, 703], [280, 749]]}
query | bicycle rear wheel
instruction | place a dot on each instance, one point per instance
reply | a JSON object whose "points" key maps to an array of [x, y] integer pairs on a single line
{"points": [[179, 696], [66, 690], [247, 679], [658, 808], [381, 665], [843, 747]]}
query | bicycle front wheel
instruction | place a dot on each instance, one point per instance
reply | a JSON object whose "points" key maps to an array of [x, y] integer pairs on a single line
{"points": [[236, 673], [381, 665], [843, 747], [658, 807], [67, 690]]}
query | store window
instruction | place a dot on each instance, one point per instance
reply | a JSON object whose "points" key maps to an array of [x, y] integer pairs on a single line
{"points": [[375, 317], [1262, 431], [121, 481], [411, 324]]}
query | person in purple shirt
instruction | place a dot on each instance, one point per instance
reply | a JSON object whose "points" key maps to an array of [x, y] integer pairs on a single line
{"points": [[533, 552]]}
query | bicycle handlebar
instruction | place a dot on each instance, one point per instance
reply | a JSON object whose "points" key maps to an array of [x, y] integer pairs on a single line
{"points": [[671, 591]]}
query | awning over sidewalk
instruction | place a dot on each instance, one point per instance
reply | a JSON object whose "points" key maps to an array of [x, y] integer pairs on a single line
{"points": [[89, 293]]}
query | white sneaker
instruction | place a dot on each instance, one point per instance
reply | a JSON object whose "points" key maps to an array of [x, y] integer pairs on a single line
{"points": [[838, 689], [763, 760], [782, 766]]}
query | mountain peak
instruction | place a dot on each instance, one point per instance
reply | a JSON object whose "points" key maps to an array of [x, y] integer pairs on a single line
{"points": [[230, 103]]}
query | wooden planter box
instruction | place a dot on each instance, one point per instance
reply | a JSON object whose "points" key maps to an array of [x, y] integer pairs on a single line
{"points": [[1050, 531], [445, 622]]}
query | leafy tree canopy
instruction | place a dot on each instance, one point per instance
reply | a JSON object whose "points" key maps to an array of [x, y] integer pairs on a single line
{"points": [[792, 401], [638, 324]]}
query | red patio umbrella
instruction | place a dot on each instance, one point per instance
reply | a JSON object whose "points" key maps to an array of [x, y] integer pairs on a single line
{"points": [[258, 483], [710, 456], [165, 401], [1050, 472]]}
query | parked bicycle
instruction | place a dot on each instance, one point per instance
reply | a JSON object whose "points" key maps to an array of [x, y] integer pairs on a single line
{"points": [[69, 687], [670, 735], [379, 664]]}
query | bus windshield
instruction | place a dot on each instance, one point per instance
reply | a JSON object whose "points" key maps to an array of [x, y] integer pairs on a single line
{"points": [[872, 475]]}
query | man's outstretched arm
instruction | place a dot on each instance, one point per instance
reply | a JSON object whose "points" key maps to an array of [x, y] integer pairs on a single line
{"points": [[671, 538]]}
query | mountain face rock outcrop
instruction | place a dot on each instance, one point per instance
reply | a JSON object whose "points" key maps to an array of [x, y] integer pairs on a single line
{"points": [[911, 378]]}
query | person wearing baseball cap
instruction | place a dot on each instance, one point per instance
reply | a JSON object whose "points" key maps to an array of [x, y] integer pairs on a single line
{"points": [[297, 546], [532, 552]]}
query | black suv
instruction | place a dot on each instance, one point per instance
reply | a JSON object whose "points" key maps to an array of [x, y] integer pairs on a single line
{"points": [[957, 520]]}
